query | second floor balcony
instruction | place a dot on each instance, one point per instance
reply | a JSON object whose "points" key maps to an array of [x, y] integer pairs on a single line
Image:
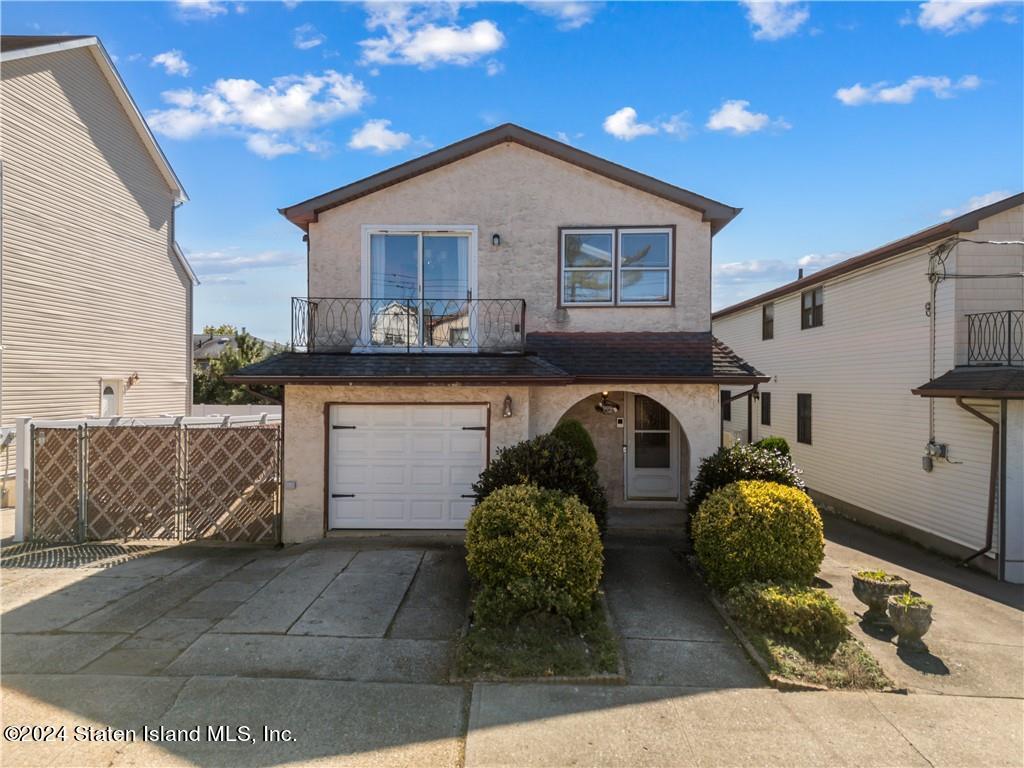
{"points": [[340, 325], [996, 338]]}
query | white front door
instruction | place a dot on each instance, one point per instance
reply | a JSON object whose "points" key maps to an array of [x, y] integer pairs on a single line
{"points": [[652, 450], [404, 466]]}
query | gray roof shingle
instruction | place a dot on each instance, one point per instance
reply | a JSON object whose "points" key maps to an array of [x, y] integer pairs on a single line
{"points": [[997, 383]]}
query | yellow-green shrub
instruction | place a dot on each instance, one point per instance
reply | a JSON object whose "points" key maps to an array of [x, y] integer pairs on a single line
{"points": [[532, 549], [806, 618], [754, 530]]}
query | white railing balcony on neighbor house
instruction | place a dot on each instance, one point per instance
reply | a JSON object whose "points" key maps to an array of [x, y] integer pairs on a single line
{"points": [[341, 325], [996, 338]]}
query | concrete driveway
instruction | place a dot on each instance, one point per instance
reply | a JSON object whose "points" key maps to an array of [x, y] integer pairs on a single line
{"points": [[342, 650]]}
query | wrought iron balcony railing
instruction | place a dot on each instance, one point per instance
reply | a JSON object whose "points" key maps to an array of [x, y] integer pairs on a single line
{"points": [[996, 338], [408, 325]]}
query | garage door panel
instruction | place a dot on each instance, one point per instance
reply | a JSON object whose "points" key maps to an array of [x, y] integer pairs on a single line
{"points": [[407, 466]]}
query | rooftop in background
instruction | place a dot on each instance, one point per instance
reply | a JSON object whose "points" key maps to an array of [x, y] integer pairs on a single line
{"points": [[967, 222]]}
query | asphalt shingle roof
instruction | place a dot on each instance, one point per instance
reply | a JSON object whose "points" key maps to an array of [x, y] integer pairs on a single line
{"points": [[552, 358], [996, 382]]}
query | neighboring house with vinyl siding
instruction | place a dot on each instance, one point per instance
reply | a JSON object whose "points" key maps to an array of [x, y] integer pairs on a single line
{"points": [[96, 295], [879, 395]]}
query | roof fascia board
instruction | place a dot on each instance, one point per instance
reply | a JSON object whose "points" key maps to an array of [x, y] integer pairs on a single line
{"points": [[180, 256], [38, 50]]}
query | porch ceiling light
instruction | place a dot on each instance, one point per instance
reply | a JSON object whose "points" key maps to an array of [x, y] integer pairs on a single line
{"points": [[495, 239], [506, 407], [606, 406]]}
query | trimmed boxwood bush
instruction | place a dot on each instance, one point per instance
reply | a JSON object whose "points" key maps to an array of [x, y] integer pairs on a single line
{"points": [[758, 531], [806, 618], [775, 444], [532, 550], [547, 462], [741, 462], [575, 434]]}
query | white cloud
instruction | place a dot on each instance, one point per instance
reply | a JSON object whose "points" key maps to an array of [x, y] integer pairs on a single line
{"points": [[173, 62], [976, 202], [412, 36], [954, 17], [307, 36], [570, 15], [291, 5], [200, 9], [775, 19], [677, 126], [230, 260], [376, 135], [739, 280], [903, 93], [565, 138], [274, 119], [624, 125], [494, 67], [734, 116], [269, 146]]}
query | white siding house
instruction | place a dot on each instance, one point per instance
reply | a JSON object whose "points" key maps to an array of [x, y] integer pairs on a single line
{"points": [[96, 296], [874, 448]]}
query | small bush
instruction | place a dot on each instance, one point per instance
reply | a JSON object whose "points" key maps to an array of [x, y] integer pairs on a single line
{"points": [[575, 434], [758, 531], [879, 576], [547, 462], [532, 549], [773, 443], [908, 600], [741, 462], [808, 619]]}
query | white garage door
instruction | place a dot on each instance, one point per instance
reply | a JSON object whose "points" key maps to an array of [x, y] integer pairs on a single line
{"points": [[404, 466]]}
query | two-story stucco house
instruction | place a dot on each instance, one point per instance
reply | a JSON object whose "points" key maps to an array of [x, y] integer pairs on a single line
{"points": [[97, 297], [897, 377], [471, 298]]}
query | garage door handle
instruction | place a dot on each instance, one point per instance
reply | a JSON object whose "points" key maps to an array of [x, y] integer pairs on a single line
{"points": [[476, 429], [343, 495]]}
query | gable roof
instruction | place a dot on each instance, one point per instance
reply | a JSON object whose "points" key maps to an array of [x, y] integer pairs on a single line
{"points": [[968, 222], [302, 214], [13, 47]]}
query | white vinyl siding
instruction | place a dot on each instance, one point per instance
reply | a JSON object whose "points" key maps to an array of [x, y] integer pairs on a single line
{"points": [[91, 288], [860, 366]]}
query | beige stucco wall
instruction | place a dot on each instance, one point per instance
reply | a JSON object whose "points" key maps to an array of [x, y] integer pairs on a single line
{"points": [[524, 196], [535, 410], [91, 287]]}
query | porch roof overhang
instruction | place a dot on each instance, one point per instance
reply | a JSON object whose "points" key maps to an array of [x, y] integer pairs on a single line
{"points": [[552, 359], [995, 383]]}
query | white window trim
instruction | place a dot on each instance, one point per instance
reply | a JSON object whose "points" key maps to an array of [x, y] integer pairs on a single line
{"points": [[610, 231], [469, 230], [668, 269], [616, 267]]}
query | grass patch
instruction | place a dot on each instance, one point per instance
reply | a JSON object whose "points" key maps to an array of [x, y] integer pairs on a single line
{"points": [[851, 666], [540, 645]]}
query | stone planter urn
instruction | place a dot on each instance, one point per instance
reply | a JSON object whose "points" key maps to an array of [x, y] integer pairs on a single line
{"points": [[910, 617], [874, 588]]}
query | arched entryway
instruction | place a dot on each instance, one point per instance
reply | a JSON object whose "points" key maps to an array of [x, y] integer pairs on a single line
{"points": [[643, 449]]}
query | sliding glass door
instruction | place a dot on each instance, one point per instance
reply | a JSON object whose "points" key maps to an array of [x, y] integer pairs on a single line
{"points": [[420, 292]]}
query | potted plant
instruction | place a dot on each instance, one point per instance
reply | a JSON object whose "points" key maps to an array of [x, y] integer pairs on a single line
{"points": [[874, 588], [910, 616]]}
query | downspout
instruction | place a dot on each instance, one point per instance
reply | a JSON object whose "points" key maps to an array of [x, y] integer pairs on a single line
{"points": [[993, 472]]}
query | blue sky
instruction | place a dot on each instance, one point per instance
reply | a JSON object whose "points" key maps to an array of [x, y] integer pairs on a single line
{"points": [[835, 126]]}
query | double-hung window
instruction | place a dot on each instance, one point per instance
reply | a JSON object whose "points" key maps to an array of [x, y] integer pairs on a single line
{"points": [[767, 321], [766, 408], [812, 308], [617, 266], [803, 418]]}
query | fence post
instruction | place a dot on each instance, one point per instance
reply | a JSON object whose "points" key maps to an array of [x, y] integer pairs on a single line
{"points": [[181, 476], [23, 478], [83, 501]]}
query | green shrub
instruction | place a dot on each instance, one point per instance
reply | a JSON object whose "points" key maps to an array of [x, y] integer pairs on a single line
{"points": [[741, 462], [806, 618], [879, 575], [532, 549], [908, 600], [774, 444], [575, 434], [547, 462], [758, 531]]}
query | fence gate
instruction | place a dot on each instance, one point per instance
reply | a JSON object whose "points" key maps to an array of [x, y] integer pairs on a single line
{"points": [[171, 480]]}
